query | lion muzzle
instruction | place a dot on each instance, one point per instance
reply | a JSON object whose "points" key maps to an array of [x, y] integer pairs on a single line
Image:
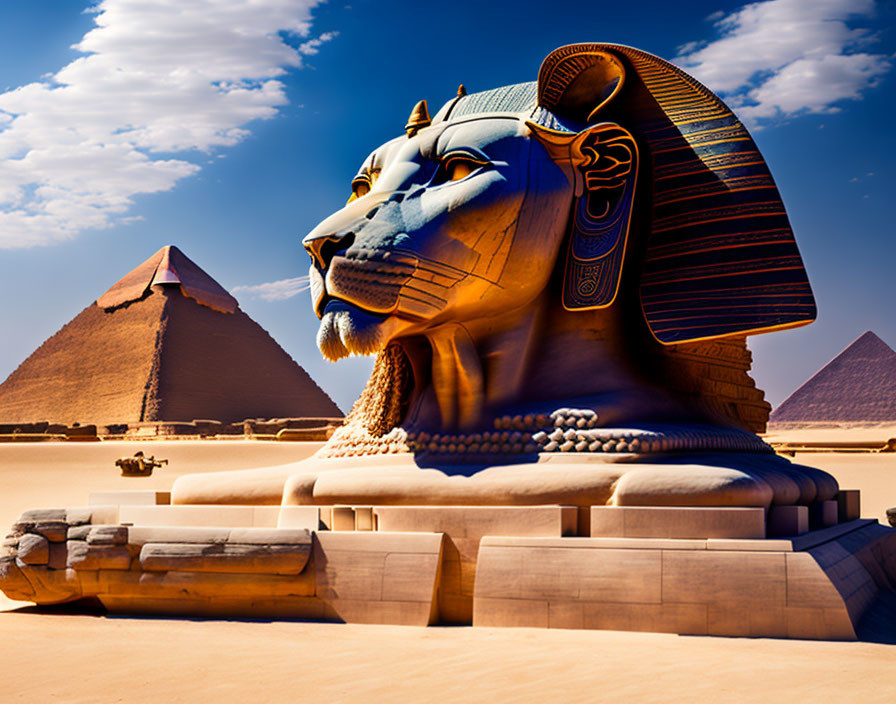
{"points": [[372, 284]]}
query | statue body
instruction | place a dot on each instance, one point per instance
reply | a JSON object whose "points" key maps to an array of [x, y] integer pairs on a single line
{"points": [[557, 274]]}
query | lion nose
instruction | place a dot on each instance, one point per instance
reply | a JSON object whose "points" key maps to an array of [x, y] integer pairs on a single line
{"points": [[322, 249]]}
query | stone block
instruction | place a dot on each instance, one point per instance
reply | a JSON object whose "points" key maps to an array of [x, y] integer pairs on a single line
{"points": [[639, 543], [343, 518], [79, 516], [819, 624], [227, 558], [140, 535], [848, 505], [737, 620], [688, 619], [363, 517], [293, 607], [58, 556], [50, 523], [326, 517], [270, 536], [478, 521], [716, 577], [823, 514], [13, 582], [100, 515], [402, 573], [43, 515], [54, 531], [767, 545], [83, 556], [677, 522], [456, 583], [808, 585], [211, 585], [373, 577], [129, 498], [465, 526], [51, 586], [79, 532], [768, 623], [785, 521], [583, 521], [494, 612], [566, 615], [206, 607], [400, 613], [307, 517], [108, 535], [528, 571], [810, 540], [752, 593], [33, 549], [200, 516], [357, 576]]}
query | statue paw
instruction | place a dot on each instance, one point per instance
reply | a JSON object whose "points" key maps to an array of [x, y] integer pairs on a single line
{"points": [[690, 485], [34, 556]]}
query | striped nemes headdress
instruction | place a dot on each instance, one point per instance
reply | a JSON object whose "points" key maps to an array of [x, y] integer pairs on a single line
{"points": [[720, 258]]}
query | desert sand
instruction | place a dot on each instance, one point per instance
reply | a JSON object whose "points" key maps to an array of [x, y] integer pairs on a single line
{"points": [[74, 657]]}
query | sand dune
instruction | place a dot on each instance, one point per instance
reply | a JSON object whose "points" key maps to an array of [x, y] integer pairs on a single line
{"points": [[85, 658]]}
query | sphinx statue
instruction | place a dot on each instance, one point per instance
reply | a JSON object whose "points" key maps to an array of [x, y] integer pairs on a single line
{"points": [[557, 279]]}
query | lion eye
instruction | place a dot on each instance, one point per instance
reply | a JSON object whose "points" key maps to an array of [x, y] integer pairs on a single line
{"points": [[458, 166], [458, 169]]}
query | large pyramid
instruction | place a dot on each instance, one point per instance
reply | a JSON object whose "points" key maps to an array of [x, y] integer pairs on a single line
{"points": [[165, 343], [858, 386]]}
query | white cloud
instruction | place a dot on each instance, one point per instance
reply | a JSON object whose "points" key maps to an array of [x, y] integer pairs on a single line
{"points": [[159, 81], [785, 57], [275, 290], [312, 46]]}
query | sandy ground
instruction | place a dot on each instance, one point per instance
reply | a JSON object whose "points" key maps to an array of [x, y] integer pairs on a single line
{"points": [[86, 658]]}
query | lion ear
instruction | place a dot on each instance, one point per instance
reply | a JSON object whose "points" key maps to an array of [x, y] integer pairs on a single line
{"points": [[558, 145], [602, 164]]}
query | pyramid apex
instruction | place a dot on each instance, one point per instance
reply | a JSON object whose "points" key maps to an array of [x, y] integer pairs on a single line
{"points": [[870, 344], [169, 266]]}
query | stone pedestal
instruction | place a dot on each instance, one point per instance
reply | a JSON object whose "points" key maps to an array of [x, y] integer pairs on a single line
{"points": [[687, 570], [815, 586]]}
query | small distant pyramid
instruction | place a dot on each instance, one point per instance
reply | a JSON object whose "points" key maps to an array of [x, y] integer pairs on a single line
{"points": [[857, 386], [165, 343]]}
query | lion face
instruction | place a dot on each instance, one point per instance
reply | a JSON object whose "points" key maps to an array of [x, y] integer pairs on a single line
{"points": [[461, 222]]}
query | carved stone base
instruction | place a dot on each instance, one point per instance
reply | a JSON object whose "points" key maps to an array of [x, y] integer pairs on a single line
{"points": [[674, 569], [816, 586]]}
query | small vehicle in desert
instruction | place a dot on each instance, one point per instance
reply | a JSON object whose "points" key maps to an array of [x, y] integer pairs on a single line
{"points": [[138, 465]]}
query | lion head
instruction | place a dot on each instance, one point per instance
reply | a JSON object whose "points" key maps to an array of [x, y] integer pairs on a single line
{"points": [[579, 237]]}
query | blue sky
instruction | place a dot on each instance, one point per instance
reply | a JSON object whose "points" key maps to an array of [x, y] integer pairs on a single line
{"points": [[231, 129]]}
